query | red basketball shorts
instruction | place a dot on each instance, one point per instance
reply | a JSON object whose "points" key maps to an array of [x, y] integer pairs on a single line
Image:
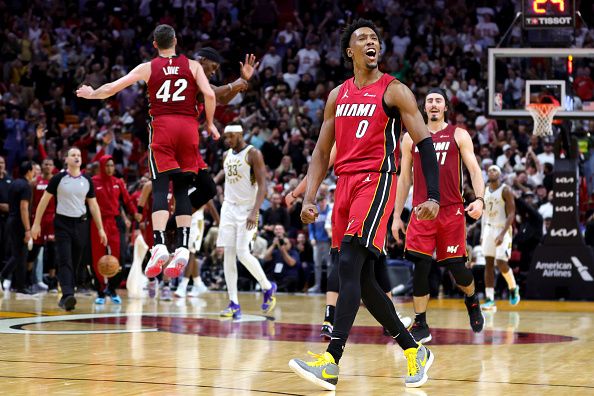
{"points": [[446, 234], [173, 145], [363, 203]]}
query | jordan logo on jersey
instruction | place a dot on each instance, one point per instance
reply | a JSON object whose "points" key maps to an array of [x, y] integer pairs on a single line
{"points": [[346, 94], [458, 212], [367, 179], [355, 110]]}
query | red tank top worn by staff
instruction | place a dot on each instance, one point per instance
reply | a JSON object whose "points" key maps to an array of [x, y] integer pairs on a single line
{"points": [[367, 132], [38, 190], [450, 169], [172, 87]]}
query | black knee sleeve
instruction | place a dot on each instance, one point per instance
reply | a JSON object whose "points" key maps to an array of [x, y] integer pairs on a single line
{"points": [[160, 190], [462, 275], [204, 189], [421, 275], [381, 273], [183, 207], [333, 284]]}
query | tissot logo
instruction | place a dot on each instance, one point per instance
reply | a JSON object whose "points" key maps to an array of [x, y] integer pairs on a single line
{"points": [[564, 180], [564, 194], [563, 232], [563, 208]]}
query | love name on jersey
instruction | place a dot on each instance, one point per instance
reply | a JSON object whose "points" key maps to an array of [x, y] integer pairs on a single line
{"points": [[171, 70], [355, 110], [441, 151]]}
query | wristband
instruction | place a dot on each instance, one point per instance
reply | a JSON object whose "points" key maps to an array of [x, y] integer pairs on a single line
{"points": [[480, 199], [293, 195], [139, 209], [230, 87], [433, 200]]}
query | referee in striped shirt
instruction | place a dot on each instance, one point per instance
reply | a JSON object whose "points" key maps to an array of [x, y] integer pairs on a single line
{"points": [[72, 190]]}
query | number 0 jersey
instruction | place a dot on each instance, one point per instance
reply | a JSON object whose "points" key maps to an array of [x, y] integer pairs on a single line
{"points": [[172, 87], [450, 169], [367, 137]]}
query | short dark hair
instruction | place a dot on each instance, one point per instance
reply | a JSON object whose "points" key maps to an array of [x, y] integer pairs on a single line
{"points": [[210, 54], [164, 35], [348, 32], [442, 92], [25, 167]]}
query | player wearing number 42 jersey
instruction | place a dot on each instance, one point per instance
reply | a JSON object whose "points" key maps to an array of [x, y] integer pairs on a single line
{"points": [[173, 84]]}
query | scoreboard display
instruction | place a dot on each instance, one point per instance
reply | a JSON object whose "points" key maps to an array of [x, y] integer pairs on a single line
{"points": [[539, 14]]}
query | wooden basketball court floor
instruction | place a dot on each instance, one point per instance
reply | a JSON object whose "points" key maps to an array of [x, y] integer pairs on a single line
{"points": [[148, 347]]}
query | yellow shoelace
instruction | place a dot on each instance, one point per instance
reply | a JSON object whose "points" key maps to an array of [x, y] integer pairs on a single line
{"points": [[321, 360], [411, 360]]}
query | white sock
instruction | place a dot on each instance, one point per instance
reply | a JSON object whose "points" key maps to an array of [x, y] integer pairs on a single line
{"points": [[253, 265], [509, 278], [197, 281], [183, 284], [230, 267], [490, 293]]}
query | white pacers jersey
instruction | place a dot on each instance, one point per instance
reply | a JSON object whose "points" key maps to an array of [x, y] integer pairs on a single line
{"points": [[494, 219], [240, 183], [495, 207]]}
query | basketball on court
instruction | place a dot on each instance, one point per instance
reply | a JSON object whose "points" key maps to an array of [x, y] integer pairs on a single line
{"points": [[108, 266]]}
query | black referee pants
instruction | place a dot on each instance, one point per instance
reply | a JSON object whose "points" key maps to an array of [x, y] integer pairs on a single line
{"points": [[16, 266], [72, 236]]}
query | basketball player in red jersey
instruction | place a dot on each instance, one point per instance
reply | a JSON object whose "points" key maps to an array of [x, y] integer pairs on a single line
{"points": [[364, 116], [47, 238], [173, 81], [446, 235]]}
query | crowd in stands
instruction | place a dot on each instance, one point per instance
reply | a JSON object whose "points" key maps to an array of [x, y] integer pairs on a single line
{"points": [[49, 48]]}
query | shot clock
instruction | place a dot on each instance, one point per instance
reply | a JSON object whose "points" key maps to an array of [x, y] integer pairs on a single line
{"points": [[539, 14]]}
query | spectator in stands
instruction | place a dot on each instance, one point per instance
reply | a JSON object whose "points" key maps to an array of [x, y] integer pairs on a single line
{"points": [[274, 215], [282, 261]]}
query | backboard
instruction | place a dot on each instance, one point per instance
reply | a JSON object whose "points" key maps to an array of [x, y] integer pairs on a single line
{"points": [[555, 73]]}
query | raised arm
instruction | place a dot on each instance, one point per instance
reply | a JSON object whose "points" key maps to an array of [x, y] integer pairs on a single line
{"points": [[140, 72], [403, 186], [319, 160], [398, 95], [256, 161], [475, 209], [210, 101]]}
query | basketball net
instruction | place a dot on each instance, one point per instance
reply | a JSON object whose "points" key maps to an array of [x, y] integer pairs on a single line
{"points": [[543, 114]]}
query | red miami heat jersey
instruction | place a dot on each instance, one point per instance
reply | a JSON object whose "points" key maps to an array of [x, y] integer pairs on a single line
{"points": [[172, 87], [38, 190], [366, 137], [450, 169]]}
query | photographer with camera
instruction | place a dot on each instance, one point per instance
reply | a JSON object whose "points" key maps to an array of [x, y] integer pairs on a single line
{"points": [[283, 261]]}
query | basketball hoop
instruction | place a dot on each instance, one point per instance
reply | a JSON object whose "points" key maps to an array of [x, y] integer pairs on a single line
{"points": [[543, 114]]}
